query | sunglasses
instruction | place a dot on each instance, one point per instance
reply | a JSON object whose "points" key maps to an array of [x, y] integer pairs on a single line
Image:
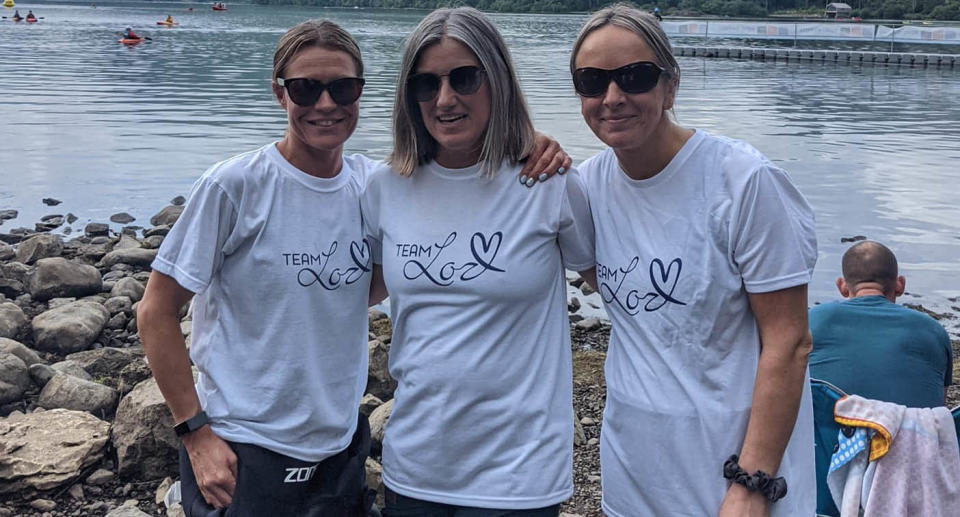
{"points": [[465, 80], [306, 92], [639, 77]]}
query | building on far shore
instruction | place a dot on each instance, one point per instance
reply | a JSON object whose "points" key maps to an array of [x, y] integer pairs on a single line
{"points": [[837, 10]]}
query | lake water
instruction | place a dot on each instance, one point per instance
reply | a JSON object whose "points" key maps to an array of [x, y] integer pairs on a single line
{"points": [[106, 128]]}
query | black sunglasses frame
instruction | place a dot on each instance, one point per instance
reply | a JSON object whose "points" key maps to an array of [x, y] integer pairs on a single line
{"points": [[642, 84], [318, 87], [465, 80]]}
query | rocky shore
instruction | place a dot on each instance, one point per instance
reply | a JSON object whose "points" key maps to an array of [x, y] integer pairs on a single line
{"points": [[84, 430]]}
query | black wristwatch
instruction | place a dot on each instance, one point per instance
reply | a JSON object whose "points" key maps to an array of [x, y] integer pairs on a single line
{"points": [[191, 424]]}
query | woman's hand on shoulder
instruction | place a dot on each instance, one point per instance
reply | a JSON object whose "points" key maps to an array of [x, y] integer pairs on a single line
{"points": [[546, 159]]}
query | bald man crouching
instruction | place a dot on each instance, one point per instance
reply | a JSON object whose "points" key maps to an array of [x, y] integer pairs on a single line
{"points": [[868, 345]]}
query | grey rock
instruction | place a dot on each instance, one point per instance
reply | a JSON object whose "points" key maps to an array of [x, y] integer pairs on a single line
{"points": [[49, 222], [107, 361], [44, 505], [20, 350], [59, 277], [375, 315], [49, 201], [15, 270], [135, 257], [586, 289], [368, 403], [168, 215], [128, 287], [53, 303], [378, 422], [6, 251], [73, 368], [126, 242], [113, 275], [71, 218], [14, 378], [48, 449], [70, 328], [41, 373], [69, 392], [153, 241], [127, 511], [133, 374], [161, 230], [76, 492], [118, 304], [574, 304], [10, 238], [588, 324], [96, 230], [99, 477], [38, 247], [11, 288], [142, 276], [12, 320], [101, 239], [379, 381], [117, 321], [579, 437], [177, 201], [8, 214], [122, 218], [143, 434]]}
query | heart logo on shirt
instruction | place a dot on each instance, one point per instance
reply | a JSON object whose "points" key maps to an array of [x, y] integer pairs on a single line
{"points": [[662, 276], [485, 251], [360, 253]]}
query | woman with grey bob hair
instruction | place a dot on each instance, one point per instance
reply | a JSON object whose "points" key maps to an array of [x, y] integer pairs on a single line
{"points": [[704, 249], [510, 131], [481, 421]]}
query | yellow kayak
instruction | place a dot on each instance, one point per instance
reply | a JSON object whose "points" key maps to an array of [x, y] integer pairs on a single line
{"points": [[8, 3]]}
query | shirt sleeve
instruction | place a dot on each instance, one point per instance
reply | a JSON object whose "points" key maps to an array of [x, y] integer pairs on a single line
{"points": [[773, 233], [194, 250], [576, 234]]}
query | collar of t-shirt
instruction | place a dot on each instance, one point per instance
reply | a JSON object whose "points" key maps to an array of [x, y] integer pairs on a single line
{"points": [[671, 169], [455, 174], [311, 182]]}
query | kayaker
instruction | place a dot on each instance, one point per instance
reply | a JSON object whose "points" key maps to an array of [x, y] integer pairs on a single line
{"points": [[31, 16], [169, 20], [129, 34], [16, 15]]}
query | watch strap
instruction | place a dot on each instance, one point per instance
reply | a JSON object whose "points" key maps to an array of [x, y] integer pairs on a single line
{"points": [[192, 424]]}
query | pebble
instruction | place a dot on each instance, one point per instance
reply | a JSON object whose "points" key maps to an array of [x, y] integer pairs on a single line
{"points": [[76, 492], [593, 441], [587, 421], [593, 479], [99, 477], [44, 505], [178, 201], [49, 201], [589, 324]]}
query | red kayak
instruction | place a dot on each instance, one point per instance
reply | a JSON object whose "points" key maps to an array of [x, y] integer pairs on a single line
{"points": [[31, 20], [219, 8], [130, 41]]}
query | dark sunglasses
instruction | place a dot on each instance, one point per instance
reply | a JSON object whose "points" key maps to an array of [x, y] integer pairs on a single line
{"points": [[465, 80], [306, 92], [639, 77]]}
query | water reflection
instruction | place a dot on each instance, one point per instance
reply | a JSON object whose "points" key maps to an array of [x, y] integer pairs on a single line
{"points": [[109, 128]]}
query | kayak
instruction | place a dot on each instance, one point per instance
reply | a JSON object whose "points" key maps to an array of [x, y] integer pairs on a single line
{"points": [[8, 3], [168, 24], [215, 8], [16, 19], [31, 20], [130, 41]]}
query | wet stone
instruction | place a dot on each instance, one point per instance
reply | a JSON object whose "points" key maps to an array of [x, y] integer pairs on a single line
{"points": [[49, 201]]}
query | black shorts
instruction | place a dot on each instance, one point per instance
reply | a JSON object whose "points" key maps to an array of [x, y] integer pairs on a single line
{"points": [[274, 485]]}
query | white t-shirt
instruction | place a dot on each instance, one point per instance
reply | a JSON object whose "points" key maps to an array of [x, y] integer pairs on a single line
{"points": [[676, 256], [281, 271], [481, 345]]}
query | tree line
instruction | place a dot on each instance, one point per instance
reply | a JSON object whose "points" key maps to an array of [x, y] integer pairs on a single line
{"points": [[866, 9]]}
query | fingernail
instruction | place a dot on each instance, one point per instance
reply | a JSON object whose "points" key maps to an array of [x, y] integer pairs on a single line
{"points": [[542, 177], [522, 178], [561, 170], [530, 182]]}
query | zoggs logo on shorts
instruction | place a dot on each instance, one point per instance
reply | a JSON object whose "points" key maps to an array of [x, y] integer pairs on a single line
{"points": [[299, 475]]}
